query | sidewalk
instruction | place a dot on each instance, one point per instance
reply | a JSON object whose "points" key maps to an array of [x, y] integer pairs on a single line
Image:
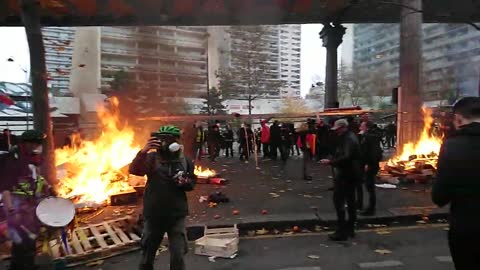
{"points": [[290, 200]]}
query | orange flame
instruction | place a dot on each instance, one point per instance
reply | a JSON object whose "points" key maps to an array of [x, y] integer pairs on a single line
{"points": [[94, 168], [425, 150], [206, 173]]}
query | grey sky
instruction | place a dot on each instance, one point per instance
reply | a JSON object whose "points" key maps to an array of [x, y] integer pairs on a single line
{"points": [[312, 54]]}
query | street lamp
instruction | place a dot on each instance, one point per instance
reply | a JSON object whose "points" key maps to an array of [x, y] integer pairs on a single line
{"points": [[11, 60]]}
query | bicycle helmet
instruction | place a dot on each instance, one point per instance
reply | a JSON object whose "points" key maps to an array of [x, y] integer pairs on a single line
{"points": [[170, 130]]}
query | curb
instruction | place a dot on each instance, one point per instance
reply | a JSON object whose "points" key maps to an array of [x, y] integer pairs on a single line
{"points": [[195, 231]]}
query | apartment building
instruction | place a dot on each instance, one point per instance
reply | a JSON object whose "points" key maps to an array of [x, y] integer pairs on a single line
{"points": [[451, 56], [170, 60], [290, 39], [281, 46]]}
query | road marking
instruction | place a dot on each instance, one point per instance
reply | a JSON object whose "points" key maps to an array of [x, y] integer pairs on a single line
{"points": [[391, 229], [381, 264], [444, 259], [302, 268]]}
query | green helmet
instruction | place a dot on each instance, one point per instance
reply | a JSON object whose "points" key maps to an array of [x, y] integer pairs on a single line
{"points": [[33, 136], [170, 130]]}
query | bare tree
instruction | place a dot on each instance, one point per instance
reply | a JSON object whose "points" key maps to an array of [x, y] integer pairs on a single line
{"points": [[352, 91], [252, 65]]}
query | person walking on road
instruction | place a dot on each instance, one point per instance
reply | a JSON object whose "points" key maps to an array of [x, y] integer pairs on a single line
{"points": [[265, 139], [228, 139], [347, 174], [458, 184], [371, 156], [199, 141], [275, 140], [169, 176]]}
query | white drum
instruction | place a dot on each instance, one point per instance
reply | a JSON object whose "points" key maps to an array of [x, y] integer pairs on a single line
{"points": [[55, 212]]}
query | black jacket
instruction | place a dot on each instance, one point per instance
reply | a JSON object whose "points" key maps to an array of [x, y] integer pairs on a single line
{"points": [[162, 198], [458, 178], [275, 134], [346, 159], [370, 148]]}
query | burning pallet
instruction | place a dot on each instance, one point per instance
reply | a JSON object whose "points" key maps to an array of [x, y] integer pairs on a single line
{"points": [[91, 240], [208, 176]]}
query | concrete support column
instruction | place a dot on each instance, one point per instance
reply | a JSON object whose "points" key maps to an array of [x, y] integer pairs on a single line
{"points": [[410, 120], [331, 36]]}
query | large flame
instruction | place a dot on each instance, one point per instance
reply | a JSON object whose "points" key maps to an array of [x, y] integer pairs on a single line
{"points": [[94, 168], [204, 173], [424, 151]]}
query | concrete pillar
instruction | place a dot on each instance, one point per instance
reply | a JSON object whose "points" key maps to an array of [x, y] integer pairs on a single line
{"points": [[86, 53], [331, 36], [410, 120]]}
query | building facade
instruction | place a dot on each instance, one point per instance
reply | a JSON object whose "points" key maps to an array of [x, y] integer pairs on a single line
{"points": [[451, 58], [172, 60], [281, 45], [290, 46], [58, 56]]}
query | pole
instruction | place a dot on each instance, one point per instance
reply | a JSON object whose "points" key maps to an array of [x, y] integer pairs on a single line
{"points": [[30, 14]]}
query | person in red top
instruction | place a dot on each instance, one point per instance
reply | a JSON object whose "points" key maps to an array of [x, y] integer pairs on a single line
{"points": [[265, 138]]}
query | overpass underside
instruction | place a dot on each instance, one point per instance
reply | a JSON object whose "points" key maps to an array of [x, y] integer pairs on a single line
{"points": [[231, 12]]}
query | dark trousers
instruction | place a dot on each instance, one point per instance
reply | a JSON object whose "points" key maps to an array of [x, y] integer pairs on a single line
{"points": [[293, 147], [153, 232], [369, 179], [244, 151], [306, 162], [344, 191], [23, 255], [213, 150], [464, 249], [229, 149], [266, 150], [274, 147], [197, 151]]}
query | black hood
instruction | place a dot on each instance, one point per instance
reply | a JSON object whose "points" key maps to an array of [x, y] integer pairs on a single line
{"points": [[472, 129]]}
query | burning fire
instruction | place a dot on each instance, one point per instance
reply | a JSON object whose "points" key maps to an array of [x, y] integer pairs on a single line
{"points": [[423, 152], [94, 169], [204, 173]]}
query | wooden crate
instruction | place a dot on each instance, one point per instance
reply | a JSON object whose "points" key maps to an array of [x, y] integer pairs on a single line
{"points": [[96, 238], [218, 242]]}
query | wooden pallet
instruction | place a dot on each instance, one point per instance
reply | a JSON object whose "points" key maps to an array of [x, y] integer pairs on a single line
{"points": [[104, 237]]}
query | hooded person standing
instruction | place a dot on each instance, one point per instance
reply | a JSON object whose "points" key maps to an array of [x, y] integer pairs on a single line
{"points": [[347, 175], [458, 183], [275, 139], [169, 176], [371, 156]]}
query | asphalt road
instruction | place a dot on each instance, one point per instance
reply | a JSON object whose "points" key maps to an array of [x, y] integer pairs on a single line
{"points": [[420, 247]]}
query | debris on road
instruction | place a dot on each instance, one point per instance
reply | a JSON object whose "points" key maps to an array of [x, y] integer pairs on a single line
{"points": [[383, 251], [313, 257]]}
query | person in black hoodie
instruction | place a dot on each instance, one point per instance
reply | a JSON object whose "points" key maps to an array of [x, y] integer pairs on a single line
{"points": [[371, 156], [275, 139], [228, 138], [458, 183]]}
